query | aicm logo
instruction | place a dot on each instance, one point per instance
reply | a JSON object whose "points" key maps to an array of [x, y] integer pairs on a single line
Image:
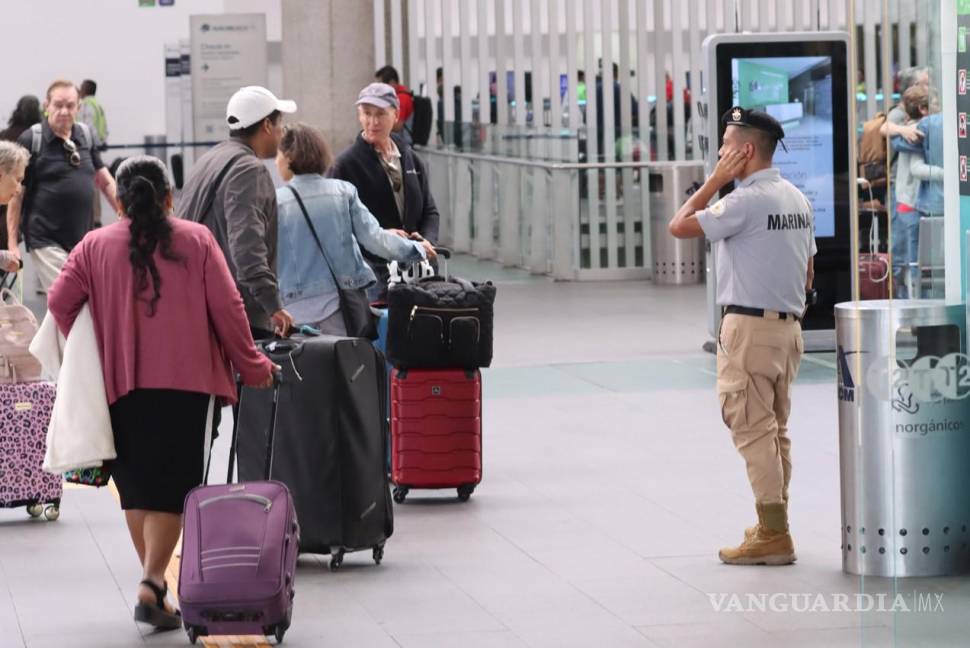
{"points": [[846, 383]]}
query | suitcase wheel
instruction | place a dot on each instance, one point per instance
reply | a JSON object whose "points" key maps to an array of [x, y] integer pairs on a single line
{"points": [[52, 512], [336, 560], [378, 554], [278, 632], [400, 493], [193, 634], [35, 510], [465, 492]]}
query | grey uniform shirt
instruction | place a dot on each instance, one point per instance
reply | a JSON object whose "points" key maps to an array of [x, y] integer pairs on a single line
{"points": [[764, 231]]}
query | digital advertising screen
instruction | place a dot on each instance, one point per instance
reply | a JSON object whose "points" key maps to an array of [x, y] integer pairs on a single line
{"points": [[797, 91], [801, 79]]}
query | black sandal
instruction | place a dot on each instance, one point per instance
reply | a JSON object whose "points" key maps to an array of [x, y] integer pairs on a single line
{"points": [[156, 614]]}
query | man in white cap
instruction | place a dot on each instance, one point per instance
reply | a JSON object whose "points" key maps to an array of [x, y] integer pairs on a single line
{"points": [[231, 191]]}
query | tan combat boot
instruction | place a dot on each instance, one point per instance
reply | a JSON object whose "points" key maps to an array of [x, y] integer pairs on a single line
{"points": [[770, 544], [751, 530]]}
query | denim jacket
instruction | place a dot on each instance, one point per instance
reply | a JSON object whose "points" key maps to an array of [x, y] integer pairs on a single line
{"points": [[929, 168], [341, 221]]}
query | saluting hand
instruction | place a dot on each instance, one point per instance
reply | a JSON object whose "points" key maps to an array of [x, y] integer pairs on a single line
{"points": [[729, 167]]}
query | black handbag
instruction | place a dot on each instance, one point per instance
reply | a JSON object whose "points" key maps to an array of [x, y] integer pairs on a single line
{"points": [[359, 320], [440, 323]]}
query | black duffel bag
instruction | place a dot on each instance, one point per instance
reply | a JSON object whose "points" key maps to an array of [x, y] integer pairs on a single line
{"points": [[440, 323]]}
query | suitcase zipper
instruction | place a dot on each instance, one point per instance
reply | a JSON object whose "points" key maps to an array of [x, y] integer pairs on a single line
{"points": [[267, 504], [415, 309]]}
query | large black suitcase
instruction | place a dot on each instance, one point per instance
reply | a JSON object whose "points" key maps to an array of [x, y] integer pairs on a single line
{"points": [[331, 442]]}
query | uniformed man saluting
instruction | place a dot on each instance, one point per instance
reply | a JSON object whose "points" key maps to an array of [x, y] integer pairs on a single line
{"points": [[765, 236]]}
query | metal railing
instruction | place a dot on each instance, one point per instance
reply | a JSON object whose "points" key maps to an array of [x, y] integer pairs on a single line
{"points": [[568, 220]]}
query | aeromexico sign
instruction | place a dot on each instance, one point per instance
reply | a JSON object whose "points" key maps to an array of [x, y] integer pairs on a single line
{"points": [[926, 380]]}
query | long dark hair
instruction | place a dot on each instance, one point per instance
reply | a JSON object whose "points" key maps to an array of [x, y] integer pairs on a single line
{"points": [[143, 189], [26, 114]]}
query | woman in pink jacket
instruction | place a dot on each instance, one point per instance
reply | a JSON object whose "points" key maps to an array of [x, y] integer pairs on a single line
{"points": [[171, 330]]}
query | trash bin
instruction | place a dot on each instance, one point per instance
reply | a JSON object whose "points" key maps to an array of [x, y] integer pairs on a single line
{"points": [[904, 437], [155, 146], [675, 261]]}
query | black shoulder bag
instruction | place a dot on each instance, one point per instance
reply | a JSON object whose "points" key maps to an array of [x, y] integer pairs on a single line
{"points": [[358, 318]]}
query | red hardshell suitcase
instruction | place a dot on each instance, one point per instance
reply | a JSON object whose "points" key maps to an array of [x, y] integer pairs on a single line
{"points": [[25, 413], [874, 271], [436, 430], [875, 267]]}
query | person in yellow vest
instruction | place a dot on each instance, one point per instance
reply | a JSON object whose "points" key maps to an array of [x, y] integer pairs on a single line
{"points": [[92, 114]]}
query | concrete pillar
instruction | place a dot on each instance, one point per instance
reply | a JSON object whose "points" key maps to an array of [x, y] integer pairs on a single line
{"points": [[328, 56]]}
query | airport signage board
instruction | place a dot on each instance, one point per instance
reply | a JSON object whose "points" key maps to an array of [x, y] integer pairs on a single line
{"points": [[228, 52]]}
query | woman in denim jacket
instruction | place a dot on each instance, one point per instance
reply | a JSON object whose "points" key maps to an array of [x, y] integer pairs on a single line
{"points": [[342, 223]]}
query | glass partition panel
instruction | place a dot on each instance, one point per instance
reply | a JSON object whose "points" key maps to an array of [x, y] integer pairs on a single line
{"points": [[904, 371]]}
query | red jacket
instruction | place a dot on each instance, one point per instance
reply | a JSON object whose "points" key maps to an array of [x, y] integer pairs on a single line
{"points": [[406, 100], [199, 326]]}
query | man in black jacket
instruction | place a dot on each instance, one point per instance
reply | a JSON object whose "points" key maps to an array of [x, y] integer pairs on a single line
{"points": [[391, 180]]}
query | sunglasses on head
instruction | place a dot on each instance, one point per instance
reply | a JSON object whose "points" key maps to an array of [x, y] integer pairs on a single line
{"points": [[73, 157]]}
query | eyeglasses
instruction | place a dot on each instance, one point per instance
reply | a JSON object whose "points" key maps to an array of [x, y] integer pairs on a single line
{"points": [[72, 155]]}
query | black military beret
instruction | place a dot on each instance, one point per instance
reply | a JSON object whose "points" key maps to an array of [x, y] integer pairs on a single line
{"points": [[738, 116]]}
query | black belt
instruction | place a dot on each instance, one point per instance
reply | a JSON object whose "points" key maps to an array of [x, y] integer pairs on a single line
{"points": [[758, 312]]}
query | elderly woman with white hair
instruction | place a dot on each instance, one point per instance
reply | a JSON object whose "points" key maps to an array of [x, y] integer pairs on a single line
{"points": [[13, 165], [391, 180]]}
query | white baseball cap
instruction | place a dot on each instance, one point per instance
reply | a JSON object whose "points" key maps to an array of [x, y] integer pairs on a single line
{"points": [[252, 104]]}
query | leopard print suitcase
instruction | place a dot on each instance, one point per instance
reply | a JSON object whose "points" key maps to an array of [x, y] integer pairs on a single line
{"points": [[25, 412]]}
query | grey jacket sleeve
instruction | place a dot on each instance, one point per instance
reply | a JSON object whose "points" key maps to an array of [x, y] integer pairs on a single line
{"points": [[923, 171], [376, 239], [428, 226], [250, 231]]}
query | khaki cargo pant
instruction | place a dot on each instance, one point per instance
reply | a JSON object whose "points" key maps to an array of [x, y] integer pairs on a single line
{"points": [[48, 262], [757, 360]]}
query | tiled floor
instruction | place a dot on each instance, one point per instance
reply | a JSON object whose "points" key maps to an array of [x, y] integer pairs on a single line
{"points": [[609, 485]]}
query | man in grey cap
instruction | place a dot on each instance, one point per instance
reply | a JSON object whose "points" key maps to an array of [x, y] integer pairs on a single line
{"points": [[391, 180], [231, 191], [765, 236]]}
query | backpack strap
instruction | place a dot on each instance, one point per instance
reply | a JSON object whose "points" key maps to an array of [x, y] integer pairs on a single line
{"points": [[87, 141], [36, 136], [35, 139], [216, 185]]}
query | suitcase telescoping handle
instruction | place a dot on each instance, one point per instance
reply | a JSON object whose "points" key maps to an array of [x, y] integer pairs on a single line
{"points": [[444, 254], [270, 438]]}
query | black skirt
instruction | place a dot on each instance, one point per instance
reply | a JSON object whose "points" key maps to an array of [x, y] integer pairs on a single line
{"points": [[160, 440]]}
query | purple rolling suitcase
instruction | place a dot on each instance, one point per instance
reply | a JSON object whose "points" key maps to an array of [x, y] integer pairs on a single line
{"points": [[239, 550], [25, 413]]}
